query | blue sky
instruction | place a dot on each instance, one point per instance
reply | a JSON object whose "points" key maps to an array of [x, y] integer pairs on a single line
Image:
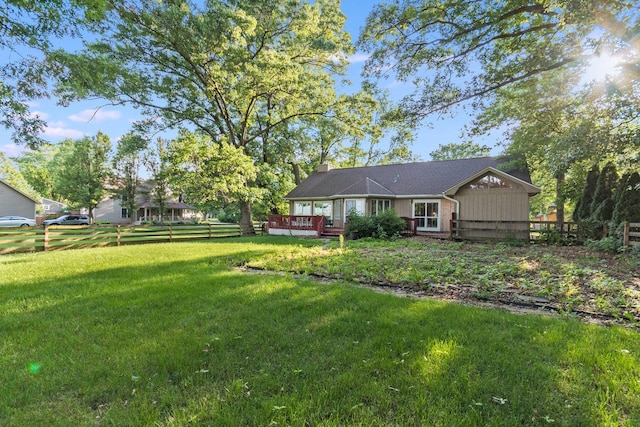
{"points": [[89, 117]]}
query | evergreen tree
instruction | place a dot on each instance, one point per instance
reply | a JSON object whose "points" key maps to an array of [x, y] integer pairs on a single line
{"points": [[602, 204], [627, 207], [582, 212]]}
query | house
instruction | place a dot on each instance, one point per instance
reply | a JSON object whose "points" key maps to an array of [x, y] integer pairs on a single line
{"points": [[52, 207], [428, 194], [16, 203], [111, 209]]}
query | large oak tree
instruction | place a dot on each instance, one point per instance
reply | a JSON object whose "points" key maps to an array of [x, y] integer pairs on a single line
{"points": [[234, 70]]}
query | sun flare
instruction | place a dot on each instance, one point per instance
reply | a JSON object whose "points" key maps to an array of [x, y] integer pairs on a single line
{"points": [[602, 67]]}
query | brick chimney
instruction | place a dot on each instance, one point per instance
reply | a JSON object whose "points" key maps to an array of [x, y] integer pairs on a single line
{"points": [[324, 167]]}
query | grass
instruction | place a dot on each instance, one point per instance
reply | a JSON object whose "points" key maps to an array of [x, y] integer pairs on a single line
{"points": [[173, 334]]}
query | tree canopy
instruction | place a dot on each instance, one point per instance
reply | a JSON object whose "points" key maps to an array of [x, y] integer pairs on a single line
{"points": [[28, 30], [457, 51], [525, 69], [236, 71], [83, 171], [464, 150]]}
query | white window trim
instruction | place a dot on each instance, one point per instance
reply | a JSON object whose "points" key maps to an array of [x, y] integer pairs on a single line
{"points": [[439, 217]]}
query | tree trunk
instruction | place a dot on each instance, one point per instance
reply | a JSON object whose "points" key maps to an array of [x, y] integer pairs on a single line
{"points": [[560, 199], [246, 220], [296, 172]]}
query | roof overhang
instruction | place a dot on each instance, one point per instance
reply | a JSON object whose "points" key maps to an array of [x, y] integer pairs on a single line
{"points": [[531, 189], [366, 196], [22, 193]]}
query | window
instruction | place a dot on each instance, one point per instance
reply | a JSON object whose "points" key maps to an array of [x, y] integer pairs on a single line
{"points": [[125, 213], [356, 205], [426, 213], [302, 208], [337, 209], [322, 209], [488, 181], [380, 205]]}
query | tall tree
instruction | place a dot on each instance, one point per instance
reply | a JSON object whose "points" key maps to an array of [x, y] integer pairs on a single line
{"points": [[463, 150], [156, 161], [235, 70], [127, 162], [508, 53], [627, 199], [602, 204], [12, 176], [582, 211], [83, 171], [38, 168]]}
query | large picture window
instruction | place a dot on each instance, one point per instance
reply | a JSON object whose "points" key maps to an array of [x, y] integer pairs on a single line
{"points": [[302, 208], [322, 209]]}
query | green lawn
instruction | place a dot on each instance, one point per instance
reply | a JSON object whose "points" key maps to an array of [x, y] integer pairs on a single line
{"points": [[173, 334]]}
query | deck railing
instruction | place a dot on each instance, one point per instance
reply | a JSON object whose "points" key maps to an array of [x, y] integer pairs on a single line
{"points": [[298, 222]]}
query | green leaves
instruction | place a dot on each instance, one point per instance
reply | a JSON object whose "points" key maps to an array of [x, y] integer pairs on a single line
{"points": [[210, 171], [82, 170]]}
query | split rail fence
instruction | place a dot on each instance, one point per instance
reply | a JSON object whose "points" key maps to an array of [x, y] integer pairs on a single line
{"points": [[69, 237]]}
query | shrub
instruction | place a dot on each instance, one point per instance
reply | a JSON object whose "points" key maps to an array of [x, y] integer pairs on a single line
{"points": [[362, 225], [387, 225], [606, 244]]}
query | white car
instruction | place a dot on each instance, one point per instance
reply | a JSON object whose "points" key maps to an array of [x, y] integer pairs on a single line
{"points": [[16, 221]]}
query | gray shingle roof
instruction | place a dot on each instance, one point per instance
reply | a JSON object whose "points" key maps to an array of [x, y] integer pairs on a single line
{"points": [[408, 179]]}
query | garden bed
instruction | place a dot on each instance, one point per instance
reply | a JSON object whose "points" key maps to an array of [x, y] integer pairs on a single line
{"points": [[571, 280]]}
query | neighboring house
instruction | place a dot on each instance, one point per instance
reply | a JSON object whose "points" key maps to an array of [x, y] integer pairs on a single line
{"points": [[15, 202], [430, 194], [111, 210], [51, 207]]}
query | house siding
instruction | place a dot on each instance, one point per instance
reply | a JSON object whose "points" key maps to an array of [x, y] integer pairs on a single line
{"points": [[493, 205], [14, 203], [110, 210]]}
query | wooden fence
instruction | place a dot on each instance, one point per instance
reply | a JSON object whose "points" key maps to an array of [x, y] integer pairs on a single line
{"points": [[631, 236], [534, 231], [68, 237]]}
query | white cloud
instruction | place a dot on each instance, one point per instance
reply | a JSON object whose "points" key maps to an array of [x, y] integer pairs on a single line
{"points": [[62, 132], [97, 115], [41, 114], [357, 58], [12, 150]]}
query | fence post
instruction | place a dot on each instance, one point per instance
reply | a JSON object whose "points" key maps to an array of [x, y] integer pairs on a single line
{"points": [[625, 234], [170, 233], [46, 237], [118, 238], [605, 230], [209, 224]]}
